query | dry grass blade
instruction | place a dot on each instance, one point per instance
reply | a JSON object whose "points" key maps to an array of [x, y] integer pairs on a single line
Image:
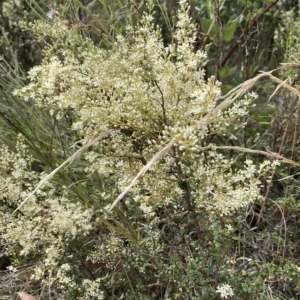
{"points": [[25, 296], [283, 83], [266, 153], [229, 98], [248, 84], [65, 163], [238, 92], [276, 90], [154, 159]]}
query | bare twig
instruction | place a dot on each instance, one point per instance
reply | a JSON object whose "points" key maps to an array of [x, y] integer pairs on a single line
{"points": [[252, 23], [273, 173], [217, 8]]}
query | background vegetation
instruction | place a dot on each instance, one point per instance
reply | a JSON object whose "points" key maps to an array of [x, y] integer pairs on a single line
{"points": [[158, 242]]}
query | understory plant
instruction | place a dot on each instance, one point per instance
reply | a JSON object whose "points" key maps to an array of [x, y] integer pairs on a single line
{"points": [[150, 204]]}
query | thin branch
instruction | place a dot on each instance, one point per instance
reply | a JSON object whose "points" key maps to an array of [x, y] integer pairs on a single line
{"points": [[154, 159], [252, 23], [166, 220], [273, 173], [218, 23], [162, 102]]}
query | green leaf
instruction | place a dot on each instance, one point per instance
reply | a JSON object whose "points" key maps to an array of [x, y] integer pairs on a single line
{"points": [[209, 27], [229, 30]]}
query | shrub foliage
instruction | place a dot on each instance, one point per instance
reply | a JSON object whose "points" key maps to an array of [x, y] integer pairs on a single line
{"points": [[135, 195]]}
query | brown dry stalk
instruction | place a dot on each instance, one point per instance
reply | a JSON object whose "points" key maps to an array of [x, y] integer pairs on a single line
{"points": [[266, 153], [239, 39]]}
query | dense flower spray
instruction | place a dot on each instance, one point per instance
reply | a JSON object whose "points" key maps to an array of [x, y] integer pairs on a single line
{"points": [[148, 94]]}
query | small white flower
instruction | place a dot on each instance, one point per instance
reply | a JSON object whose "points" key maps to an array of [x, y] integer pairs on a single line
{"points": [[229, 227], [225, 290]]}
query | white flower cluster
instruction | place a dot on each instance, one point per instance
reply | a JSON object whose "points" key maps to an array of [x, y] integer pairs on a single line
{"points": [[287, 22], [108, 252], [225, 290], [11, 9], [45, 226]]}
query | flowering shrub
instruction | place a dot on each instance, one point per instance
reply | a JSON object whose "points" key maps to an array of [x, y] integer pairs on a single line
{"points": [[142, 94], [148, 94]]}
